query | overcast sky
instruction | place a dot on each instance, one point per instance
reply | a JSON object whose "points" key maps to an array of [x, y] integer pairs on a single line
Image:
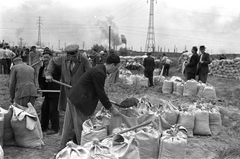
{"points": [[179, 23]]}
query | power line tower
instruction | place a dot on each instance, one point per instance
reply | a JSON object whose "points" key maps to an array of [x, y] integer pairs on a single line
{"points": [[39, 31], [150, 42]]}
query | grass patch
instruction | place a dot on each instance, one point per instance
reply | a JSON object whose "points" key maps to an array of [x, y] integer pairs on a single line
{"points": [[231, 152]]}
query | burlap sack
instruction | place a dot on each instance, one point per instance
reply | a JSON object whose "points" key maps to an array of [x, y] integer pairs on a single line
{"points": [[26, 127], [125, 148], [215, 121], [8, 135], [91, 131], [148, 140], [187, 119], [173, 145], [201, 124], [73, 151]]}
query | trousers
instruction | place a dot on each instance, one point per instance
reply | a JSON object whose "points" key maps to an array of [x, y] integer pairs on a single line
{"points": [[49, 112], [72, 124]]}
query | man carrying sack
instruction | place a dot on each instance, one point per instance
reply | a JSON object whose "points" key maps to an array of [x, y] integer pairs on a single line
{"points": [[88, 90]]}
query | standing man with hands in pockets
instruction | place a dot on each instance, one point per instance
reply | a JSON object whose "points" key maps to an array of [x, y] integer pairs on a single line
{"points": [[89, 89], [73, 66], [204, 61]]}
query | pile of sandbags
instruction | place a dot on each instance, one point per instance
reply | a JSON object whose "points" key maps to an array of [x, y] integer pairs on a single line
{"points": [[201, 119], [225, 68], [173, 143], [1, 153], [21, 127], [189, 88]]}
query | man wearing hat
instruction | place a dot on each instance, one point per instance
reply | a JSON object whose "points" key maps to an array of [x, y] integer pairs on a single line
{"points": [[35, 62], [149, 66], [204, 61], [49, 109], [21, 84], [89, 89], [73, 66]]}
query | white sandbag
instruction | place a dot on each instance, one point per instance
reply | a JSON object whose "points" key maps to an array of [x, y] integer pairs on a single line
{"points": [[1, 153], [26, 127], [167, 87], [201, 87], [158, 80], [173, 145], [201, 125], [179, 89], [1, 125], [190, 88], [169, 112], [91, 131], [125, 148], [129, 81], [187, 119], [8, 135], [73, 151], [148, 140], [215, 121], [156, 72], [209, 92], [175, 83], [98, 150], [143, 82]]}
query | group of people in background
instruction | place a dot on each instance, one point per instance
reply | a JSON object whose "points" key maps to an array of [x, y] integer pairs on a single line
{"points": [[83, 87], [194, 64], [191, 65]]}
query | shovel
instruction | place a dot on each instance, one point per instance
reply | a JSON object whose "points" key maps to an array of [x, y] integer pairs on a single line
{"points": [[127, 130], [69, 86]]}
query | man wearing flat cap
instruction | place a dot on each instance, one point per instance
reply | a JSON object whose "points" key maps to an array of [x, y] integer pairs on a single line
{"points": [[73, 66], [21, 84], [204, 61], [89, 89], [49, 109]]}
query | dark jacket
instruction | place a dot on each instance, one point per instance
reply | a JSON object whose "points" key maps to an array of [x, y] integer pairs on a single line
{"points": [[203, 67], [149, 64], [49, 85], [89, 89], [191, 67], [21, 82]]}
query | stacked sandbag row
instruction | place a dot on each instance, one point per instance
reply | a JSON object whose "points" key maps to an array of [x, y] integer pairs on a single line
{"points": [[134, 80], [225, 68], [141, 143], [198, 119], [20, 126], [189, 88]]}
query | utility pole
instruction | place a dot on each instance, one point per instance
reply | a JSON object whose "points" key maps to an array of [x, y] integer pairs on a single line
{"points": [[21, 42], [109, 38], [39, 30], [83, 44], [150, 42], [58, 44]]}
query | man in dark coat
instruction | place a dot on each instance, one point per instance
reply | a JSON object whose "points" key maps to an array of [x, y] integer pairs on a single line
{"points": [[49, 109], [21, 83], [204, 61], [149, 65], [92, 90], [191, 66], [73, 66]]}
